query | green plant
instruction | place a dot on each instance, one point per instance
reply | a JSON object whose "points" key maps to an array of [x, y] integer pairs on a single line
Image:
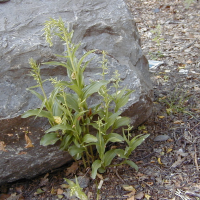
{"points": [[155, 55], [188, 3], [157, 32], [176, 101], [76, 190], [72, 119]]}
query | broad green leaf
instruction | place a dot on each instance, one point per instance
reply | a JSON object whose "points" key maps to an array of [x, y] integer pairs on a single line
{"points": [[76, 189], [66, 141], [135, 143], [132, 164], [70, 99], [71, 183], [39, 96], [109, 155], [76, 89], [59, 127], [57, 111], [121, 121], [50, 138], [114, 137], [53, 96], [63, 84], [95, 166], [95, 125], [37, 112], [88, 138], [73, 150], [76, 143], [77, 116], [100, 146], [121, 153], [75, 48], [120, 93], [138, 139], [112, 119], [123, 101], [101, 170], [72, 102], [83, 57], [85, 65], [93, 88]]}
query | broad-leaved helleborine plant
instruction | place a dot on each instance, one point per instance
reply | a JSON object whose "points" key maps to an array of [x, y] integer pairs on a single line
{"points": [[71, 118]]}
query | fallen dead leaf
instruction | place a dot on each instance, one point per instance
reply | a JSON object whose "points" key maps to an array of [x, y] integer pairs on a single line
{"points": [[131, 198], [44, 180], [147, 196], [99, 176], [130, 194], [178, 122], [139, 195], [2, 146], [161, 117], [28, 142], [4, 196], [53, 191], [189, 62], [22, 152], [178, 162], [169, 150], [128, 187], [72, 169], [59, 191], [159, 161]]}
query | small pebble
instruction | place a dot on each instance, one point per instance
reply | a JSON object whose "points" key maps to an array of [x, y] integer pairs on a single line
{"points": [[161, 138]]}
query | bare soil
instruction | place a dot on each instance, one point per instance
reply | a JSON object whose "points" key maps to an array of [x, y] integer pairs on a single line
{"points": [[169, 160]]}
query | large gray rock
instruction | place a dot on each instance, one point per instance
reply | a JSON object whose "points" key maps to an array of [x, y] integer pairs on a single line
{"points": [[98, 24]]}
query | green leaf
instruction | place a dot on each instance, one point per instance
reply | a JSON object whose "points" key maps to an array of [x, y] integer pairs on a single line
{"points": [[53, 96], [76, 89], [74, 150], [66, 141], [93, 87], [120, 93], [88, 138], [112, 119], [39, 191], [72, 101], [55, 63], [39, 96], [100, 146], [121, 121], [122, 101], [121, 153], [114, 137], [50, 138], [62, 84], [37, 112], [101, 170], [57, 111], [76, 189], [59, 127], [132, 164], [95, 166], [83, 57], [135, 143], [109, 155]]}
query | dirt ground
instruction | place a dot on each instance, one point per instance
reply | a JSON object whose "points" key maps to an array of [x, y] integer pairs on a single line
{"points": [[169, 160]]}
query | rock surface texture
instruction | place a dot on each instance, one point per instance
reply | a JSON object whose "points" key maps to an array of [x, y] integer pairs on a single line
{"points": [[103, 25]]}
